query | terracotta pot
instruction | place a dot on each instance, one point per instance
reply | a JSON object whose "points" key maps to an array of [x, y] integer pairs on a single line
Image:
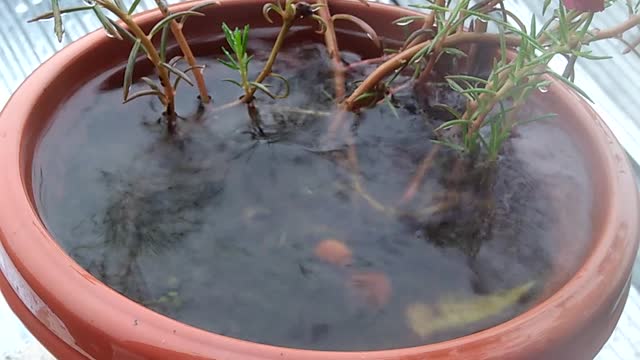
{"points": [[76, 317]]}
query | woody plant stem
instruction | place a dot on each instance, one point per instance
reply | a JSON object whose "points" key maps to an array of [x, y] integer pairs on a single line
{"points": [[153, 56], [403, 57], [331, 42], [176, 29], [287, 21]]}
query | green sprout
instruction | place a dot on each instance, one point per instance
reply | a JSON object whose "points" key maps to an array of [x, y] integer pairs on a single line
{"points": [[238, 59]]}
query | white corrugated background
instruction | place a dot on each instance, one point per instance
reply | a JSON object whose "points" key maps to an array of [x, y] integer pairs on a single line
{"points": [[24, 46]]}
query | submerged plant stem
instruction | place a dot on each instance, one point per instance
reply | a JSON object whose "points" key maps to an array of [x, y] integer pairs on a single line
{"points": [[352, 157], [437, 49], [176, 28], [301, 111], [429, 20], [227, 106]]}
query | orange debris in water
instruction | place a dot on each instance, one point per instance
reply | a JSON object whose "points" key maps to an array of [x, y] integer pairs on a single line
{"points": [[375, 287], [334, 252]]}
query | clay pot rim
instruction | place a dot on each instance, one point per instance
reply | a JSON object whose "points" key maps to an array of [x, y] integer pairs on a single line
{"points": [[30, 256]]}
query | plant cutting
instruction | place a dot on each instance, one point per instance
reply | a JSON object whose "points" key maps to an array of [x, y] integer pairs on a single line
{"points": [[317, 180]]}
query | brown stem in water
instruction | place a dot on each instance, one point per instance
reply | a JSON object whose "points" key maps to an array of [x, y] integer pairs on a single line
{"points": [[433, 59], [352, 157], [365, 62], [397, 89], [266, 71], [339, 70], [429, 20], [415, 183], [226, 106], [176, 29], [617, 30], [153, 56], [331, 42], [479, 26], [486, 5], [403, 57]]}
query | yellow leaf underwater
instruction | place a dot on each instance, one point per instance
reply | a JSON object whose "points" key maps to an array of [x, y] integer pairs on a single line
{"points": [[425, 319]]}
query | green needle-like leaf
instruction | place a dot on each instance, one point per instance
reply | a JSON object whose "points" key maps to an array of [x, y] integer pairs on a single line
{"points": [[178, 79], [106, 24], [124, 33], [142, 93], [58, 28], [167, 20], [131, 64], [264, 89], [50, 14], [233, 82], [179, 73], [133, 6], [152, 84]]}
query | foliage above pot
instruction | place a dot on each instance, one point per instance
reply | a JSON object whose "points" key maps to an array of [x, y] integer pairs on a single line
{"points": [[448, 32]]}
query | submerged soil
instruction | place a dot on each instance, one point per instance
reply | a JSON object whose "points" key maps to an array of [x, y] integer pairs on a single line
{"points": [[220, 226]]}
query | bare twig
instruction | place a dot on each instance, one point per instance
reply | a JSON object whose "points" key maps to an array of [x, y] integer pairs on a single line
{"points": [[403, 57], [176, 29], [331, 42], [288, 17], [415, 183]]}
